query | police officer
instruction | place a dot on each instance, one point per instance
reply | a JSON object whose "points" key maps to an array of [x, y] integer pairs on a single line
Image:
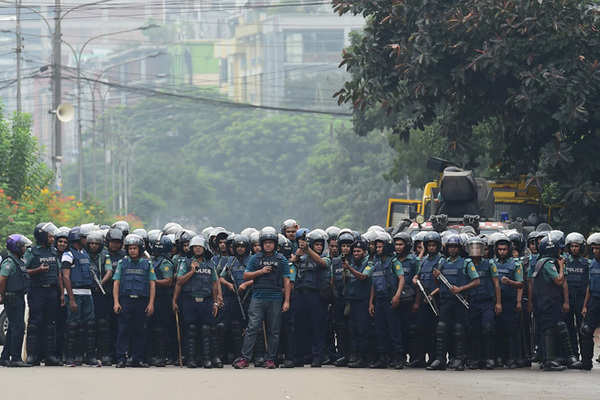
{"points": [[270, 297], [102, 271], [62, 244], [485, 302], [591, 304], [232, 280], [577, 269], [78, 281], [408, 318], [14, 281], [43, 297], [114, 240], [134, 292], [289, 227], [162, 318], [312, 291], [356, 293], [462, 276], [386, 289], [333, 251], [197, 280], [341, 326], [510, 274], [548, 283], [427, 320]]}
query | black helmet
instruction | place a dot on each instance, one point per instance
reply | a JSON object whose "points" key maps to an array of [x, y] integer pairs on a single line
{"points": [[143, 234], [516, 239], [74, 235], [240, 241], [284, 245], [432, 237], [361, 244], [552, 244], [267, 233], [316, 235], [332, 233], [405, 237], [345, 237], [114, 234], [154, 236], [162, 247], [123, 226], [96, 237], [42, 231], [134, 240], [183, 237]]}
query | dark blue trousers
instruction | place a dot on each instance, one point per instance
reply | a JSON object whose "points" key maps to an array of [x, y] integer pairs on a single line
{"points": [[132, 328]]}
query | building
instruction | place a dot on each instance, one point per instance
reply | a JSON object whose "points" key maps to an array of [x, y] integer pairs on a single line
{"points": [[286, 59]]}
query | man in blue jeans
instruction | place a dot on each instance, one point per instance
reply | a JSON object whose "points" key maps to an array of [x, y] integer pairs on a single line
{"points": [[270, 272]]}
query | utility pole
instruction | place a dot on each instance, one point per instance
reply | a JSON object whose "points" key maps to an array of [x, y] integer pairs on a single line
{"points": [[19, 48], [57, 94]]}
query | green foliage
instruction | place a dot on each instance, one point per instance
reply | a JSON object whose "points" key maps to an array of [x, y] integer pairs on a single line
{"points": [[21, 168], [491, 77]]}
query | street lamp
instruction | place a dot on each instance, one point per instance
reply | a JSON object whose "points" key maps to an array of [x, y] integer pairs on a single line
{"points": [[77, 55]]}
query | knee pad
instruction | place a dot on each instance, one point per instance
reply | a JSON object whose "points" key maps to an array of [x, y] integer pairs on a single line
{"points": [[587, 331], [91, 325], [441, 327], [220, 327], [561, 325], [412, 329], [235, 325]]}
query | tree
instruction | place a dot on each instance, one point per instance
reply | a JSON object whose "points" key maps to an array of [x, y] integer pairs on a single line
{"points": [[526, 72]]}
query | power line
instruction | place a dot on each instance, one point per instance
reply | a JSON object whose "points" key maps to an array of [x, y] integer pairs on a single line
{"points": [[214, 101]]}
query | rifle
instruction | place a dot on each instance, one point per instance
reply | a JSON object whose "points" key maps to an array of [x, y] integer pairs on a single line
{"points": [[459, 296], [428, 299], [235, 289]]}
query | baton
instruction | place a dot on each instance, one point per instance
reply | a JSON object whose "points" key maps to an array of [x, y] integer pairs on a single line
{"points": [[460, 298], [178, 338], [427, 299]]}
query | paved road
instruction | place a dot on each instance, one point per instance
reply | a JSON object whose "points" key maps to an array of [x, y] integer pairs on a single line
{"points": [[327, 383]]}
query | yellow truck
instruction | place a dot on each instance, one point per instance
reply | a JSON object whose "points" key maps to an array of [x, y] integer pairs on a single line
{"points": [[457, 193]]}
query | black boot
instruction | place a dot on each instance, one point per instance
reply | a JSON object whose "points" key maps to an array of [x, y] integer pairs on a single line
{"points": [[80, 344], [513, 339], [359, 362], [205, 340], [71, 344], [18, 364], [488, 347], [380, 362], [459, 347], [51, 359], [398, 361], [190, 341], [415, 348], [32, 345], [550, 363], [217, 344], [439, 364], [90, 353], [563, 334], [587, 346], [103, 339], [159, 347], [341, 362]]}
